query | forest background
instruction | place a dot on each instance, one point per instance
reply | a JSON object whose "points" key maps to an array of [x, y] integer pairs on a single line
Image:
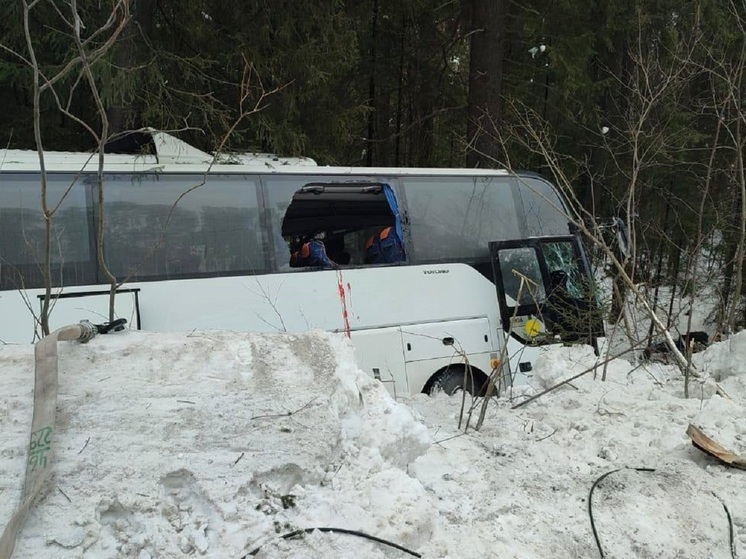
{"points": [[637, 110]]}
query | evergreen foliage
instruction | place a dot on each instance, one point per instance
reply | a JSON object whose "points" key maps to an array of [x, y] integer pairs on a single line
{"points": [[644, 100]]}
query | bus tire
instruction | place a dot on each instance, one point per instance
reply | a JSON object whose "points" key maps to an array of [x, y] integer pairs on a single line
{"points": [[455, 379]]}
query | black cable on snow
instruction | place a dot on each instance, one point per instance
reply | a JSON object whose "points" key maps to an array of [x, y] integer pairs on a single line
{"points": [[297, 533], [590, 502], [731, 532], [731, 535]]}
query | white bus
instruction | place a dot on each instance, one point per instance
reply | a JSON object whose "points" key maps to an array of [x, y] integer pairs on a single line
{"points": [[417, 269]]}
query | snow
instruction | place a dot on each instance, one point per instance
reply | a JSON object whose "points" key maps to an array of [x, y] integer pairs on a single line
{"points": [[214, 444]]}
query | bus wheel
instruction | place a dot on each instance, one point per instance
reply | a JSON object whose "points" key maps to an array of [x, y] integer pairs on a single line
{"points": [[455, 379]]}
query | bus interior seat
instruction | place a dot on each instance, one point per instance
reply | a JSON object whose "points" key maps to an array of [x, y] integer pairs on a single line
{"points": [[384, 248]]}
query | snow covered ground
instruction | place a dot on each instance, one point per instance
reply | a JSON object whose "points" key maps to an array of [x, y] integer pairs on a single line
{"points": [[214, 444]]}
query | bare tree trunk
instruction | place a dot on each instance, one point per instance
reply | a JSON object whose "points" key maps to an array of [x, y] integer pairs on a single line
{"points": [[370, 143], [741, 246], [674, 285], [698, 247], [725, 291], [659, 266], [47, 265], [399, 92], [102, 137], [46, 83], [485, 81], [130, 51], [734, 81]]}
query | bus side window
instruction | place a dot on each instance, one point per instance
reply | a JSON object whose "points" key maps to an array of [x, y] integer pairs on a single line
{"points": [[213, 229], [543, 211], [22, 232], [455, 218], [343, 215]]}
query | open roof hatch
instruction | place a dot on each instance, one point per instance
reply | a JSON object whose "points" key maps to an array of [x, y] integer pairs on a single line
{"points": [[319, 207]]}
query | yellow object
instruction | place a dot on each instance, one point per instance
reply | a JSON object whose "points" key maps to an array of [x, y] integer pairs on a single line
{"points": [[533, 327], [494, 363]]}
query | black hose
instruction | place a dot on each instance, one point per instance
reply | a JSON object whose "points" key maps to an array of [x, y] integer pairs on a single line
{"points": [[297, 533], [731, 535], [590, 502]]}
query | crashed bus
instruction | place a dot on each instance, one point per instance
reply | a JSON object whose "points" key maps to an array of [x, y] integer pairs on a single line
{"points": [[438, 276]]}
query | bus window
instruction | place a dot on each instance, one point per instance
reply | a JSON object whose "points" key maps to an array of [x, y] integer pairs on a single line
{"points": [[279, 193], [22, 232], [561, 256], [542, 208], [332, 224], [326, 224], [454, 218], [212, 230], [524, 261]]}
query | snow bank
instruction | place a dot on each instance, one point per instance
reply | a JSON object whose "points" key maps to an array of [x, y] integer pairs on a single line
{"points": [[724, 421], [213, 444], [725, 359], [520, 487], [558, 363], [210, 444]]}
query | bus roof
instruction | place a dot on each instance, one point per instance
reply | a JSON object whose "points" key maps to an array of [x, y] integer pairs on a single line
{"points": [[170, 151], [176, 156]]}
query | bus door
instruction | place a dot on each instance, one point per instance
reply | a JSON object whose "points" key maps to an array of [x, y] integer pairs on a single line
{"points": [[546, 292]]}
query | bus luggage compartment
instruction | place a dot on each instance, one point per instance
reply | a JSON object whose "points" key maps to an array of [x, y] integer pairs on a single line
{"points": [[447, 339]]}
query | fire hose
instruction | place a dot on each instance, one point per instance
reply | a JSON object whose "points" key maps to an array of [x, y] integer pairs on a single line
{"points": [[40, 449]]}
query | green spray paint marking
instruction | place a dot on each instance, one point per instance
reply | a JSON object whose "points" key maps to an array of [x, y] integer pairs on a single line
{"points": [[41, 444]]}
